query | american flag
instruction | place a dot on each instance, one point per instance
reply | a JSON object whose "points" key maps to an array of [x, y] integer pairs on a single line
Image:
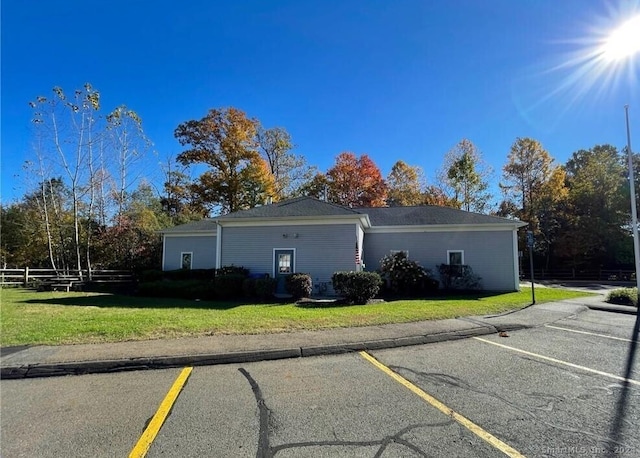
{"points": [[357, 254]]}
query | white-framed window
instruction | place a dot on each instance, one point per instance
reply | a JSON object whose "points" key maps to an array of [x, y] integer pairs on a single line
{"points": [[455, 257], [186, 260], [284, 263], [406, 252]]}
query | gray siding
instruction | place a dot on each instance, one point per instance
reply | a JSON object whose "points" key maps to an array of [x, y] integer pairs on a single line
{"points": [[490, 254], [203, 248], [320, 249]]}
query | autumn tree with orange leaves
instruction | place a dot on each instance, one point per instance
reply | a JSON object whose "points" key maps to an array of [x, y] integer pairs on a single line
{"points": [[356, 182], [237, 177]]}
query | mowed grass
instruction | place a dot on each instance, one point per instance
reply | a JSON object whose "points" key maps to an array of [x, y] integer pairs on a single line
{"points": [[28, 317]]}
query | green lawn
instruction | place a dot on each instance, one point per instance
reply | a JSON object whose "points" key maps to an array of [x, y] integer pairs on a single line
{"points": [[30, 317]]}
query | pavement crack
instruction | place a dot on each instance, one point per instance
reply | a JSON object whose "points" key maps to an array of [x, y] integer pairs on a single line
{"points": [[264, 449]]}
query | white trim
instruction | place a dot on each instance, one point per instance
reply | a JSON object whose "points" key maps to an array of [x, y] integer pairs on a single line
{"points": [[362, 220], [441, 228], [190, 253], [449, 257], [273, 261], [516, 262], [218, 246]]}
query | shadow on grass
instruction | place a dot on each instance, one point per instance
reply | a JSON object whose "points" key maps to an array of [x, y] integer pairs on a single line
{"points": [[135, 302], [442, 297]]}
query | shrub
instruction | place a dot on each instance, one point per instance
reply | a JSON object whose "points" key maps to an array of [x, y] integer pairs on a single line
{"points": [[249, 288], [261, 288], [357, 287], [623, 296], [265, 288], [232, 270], [403, 276], [189, 274], [459, 277], [299, 285], [183, 289], [151, 275], [229, 286]]}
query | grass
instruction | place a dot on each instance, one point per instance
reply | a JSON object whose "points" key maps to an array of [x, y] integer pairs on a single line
{"points": [[28, 317]]}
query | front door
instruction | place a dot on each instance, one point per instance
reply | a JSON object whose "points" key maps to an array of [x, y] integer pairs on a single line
{"points": [[284, 264]]}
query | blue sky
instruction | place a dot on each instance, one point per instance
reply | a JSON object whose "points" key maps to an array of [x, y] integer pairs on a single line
{"points": [[402, 79]]}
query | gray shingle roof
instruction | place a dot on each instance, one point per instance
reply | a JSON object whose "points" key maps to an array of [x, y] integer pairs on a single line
{"points": [[300, 206], [428, 215], [379, 216], [205, 225]]}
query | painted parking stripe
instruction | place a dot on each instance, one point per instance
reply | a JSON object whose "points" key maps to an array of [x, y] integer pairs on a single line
{"points": [[471, 426], [147, 438], [558, 361], [590, 333]]}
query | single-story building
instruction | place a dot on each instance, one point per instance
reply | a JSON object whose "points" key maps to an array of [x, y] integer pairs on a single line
{"points": [[319, 238]]}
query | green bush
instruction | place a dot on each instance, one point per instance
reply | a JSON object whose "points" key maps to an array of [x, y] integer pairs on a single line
{"points": [[298, 285], [623, 296], [405, 277], [183, 289], [151, 275], [229, 286], [459, 277], [357, 287], [265, 288], [189, 274], [249, 288], [232, 270]]}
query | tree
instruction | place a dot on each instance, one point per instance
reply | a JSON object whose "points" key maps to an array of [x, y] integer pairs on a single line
{"points": [[598, 231], [177, 201], [528, 167], [133, 242], [435, 195], [68, 125], [356, 182], [317, 186], [405, 185], [224, 141], [129, 145], [289, 171], [465, 175]]}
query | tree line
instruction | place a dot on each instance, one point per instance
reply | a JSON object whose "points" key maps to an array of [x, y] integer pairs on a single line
{"points": [[92, 202]]}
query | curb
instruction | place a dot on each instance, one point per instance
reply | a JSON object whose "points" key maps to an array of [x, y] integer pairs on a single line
{"points": [[135, 364], [626, 309]]}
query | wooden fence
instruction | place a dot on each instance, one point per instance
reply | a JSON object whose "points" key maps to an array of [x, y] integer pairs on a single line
{"points": [[34, 277], [612, 275]]}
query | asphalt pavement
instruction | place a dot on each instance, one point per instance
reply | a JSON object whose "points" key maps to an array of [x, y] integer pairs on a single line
{"points": [[44, 361]]}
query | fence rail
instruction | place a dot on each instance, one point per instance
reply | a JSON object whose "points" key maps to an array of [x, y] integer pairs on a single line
{"points": [[616, 275], [30, 277]]}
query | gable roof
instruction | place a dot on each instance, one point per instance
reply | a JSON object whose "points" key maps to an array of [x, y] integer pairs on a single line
{"points": [[297, 207], [312, 208]]}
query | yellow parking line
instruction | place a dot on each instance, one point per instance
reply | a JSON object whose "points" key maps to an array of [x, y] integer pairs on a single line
{"points": [[590, 333], [147, 438], [559, 361], [471, 426]]}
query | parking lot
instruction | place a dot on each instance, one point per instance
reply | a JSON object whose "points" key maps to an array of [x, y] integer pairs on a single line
{"points": [[557, 390]]}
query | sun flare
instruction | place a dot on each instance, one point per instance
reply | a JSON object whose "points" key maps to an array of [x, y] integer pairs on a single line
{"points": [[623, 42]]}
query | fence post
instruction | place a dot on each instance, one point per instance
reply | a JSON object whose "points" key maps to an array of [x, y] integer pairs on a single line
{"points": [[26, 277]]}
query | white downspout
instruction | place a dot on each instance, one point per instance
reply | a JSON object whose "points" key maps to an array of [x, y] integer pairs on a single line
{"points": [[218, 245], [516, 261]]}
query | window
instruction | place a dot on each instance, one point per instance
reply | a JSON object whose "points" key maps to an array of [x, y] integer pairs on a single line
{"points": [[455, 257], [186, 259], [284, 263]]}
